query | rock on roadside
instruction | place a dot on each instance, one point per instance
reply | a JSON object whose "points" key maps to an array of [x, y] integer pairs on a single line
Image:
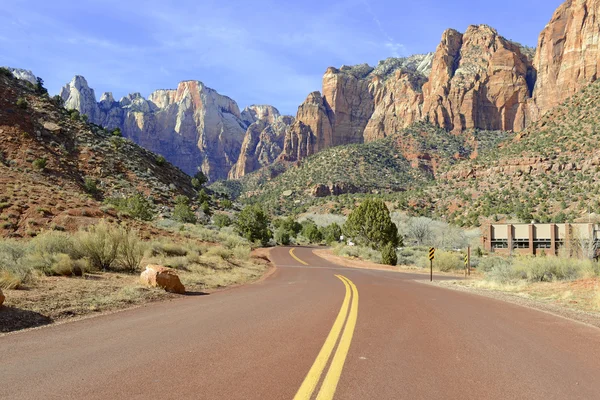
{"points": [[163, 277]]}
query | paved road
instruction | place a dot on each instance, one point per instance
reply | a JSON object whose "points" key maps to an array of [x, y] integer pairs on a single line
{"points": [[311, 329]]}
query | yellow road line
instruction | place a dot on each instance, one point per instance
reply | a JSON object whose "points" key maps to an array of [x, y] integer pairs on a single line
{"points": [[314, 374], [332, 378], [296, 258]]}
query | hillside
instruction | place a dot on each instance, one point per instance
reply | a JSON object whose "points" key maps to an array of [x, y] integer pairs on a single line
{"points": [[56, 170], [406, 161], [549, 172]]}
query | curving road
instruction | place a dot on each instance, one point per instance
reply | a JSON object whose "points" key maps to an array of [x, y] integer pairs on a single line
{"points": [[311, 330]]}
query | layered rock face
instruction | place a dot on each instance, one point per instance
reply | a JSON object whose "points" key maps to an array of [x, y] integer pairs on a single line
{"points": [[568, 53], [192, 126], [474, 80], [263, 141], [311, 130], [478, 80]]}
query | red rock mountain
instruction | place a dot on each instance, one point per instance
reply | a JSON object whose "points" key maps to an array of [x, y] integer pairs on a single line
{"points": [[568, 53], [474, 80]]}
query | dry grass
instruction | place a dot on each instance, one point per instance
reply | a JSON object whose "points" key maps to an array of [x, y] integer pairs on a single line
{"points": [[581, 294]]}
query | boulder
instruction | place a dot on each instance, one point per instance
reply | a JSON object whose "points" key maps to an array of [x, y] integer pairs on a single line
{"points": [[1, 298], [163, 277]]}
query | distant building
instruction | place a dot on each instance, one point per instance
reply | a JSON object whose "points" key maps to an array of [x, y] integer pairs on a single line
{"points": [[534, 238]]}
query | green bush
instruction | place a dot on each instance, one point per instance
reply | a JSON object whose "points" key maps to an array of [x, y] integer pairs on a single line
{"points": [[282, 237], [311, 231], [222, 220], [500, 270], [227, 204], [547, 269], [332, 233], [136, 206], [131, 250], [116, 132], [362, 252], [99, 244], [40, 164], [22, 103], [90, 186], [288, 224], [252, 223], [161, 161], [183, 212], [199, 180], [388, 255]]}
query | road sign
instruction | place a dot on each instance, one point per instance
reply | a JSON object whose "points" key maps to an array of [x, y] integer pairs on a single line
{"points": [[466, 260], [431, 257]]}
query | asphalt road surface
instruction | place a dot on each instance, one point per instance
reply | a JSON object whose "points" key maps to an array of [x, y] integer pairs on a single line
{"points": [[311, 330]]}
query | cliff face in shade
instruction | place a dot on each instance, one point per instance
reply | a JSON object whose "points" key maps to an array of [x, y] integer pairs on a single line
{"points": [[568, 53], [263, 141], [478, 80]]}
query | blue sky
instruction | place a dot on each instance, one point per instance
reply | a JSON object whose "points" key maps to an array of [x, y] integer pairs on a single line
{"points": [[257, 51]]}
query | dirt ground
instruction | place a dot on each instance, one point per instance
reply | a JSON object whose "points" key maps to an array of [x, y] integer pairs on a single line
{"points": [[58, 299]]}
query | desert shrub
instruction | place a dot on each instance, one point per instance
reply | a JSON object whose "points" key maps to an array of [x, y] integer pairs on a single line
{"points": [[222, 220], [183, 212], [100, 244], [388, 255], [200, 179], [14, 271], [131, 250], [5, 72], [445, 261], [227, 204], [500, 270], [362, 252], [116, 132], [64, 265], [45, 250], [22, 103], [221, 252], [39, 164], [161, 161], [167, 249], [282, 237], [489, 263], [252, 223], [136, 206], [90, 186], [547, 269]]}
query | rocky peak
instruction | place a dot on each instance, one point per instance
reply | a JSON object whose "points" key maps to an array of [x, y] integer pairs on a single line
{"points": [[568, 53], [23, 74], [255, 113], [478, 80], [77, 95]]}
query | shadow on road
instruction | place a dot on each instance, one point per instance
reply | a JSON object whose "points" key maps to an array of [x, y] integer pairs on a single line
{"points": [[14, 319], [196, 294]]}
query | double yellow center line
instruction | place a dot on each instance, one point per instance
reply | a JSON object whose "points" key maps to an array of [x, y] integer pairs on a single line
{"points": [[345, 320]]}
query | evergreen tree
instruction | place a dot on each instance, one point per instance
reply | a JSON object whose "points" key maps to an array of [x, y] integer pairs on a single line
{"points": [[371, 225], [252, 223]]}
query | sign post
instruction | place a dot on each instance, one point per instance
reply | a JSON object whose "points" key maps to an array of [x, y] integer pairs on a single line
{"points": [[469, 260], [431, 258], [466, 264]]}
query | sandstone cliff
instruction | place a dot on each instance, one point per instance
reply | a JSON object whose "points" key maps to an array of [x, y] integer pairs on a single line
{"points": [[568, 53], [478, 80], [263, 141], [192, 126]]}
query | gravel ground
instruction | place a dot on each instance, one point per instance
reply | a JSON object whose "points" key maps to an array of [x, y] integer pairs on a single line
{"points": [[588, 318]]}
